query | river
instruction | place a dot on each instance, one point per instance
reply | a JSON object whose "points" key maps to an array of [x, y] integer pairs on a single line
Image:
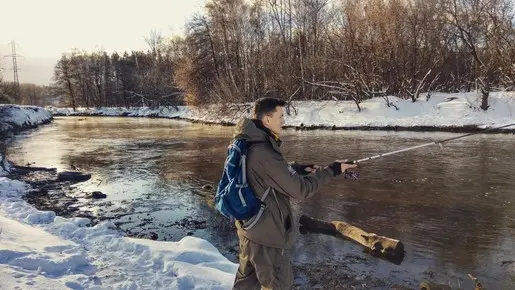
{"points": [[452, 207]]}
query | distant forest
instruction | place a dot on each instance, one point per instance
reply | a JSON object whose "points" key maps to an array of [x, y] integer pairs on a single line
{"points": [[239, 51]]}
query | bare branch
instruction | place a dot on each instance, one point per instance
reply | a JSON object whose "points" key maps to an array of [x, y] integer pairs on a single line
{"points": [[289, 104], [388, 103], [322, 84], [339, 91], [420, 84], [435, 79]]}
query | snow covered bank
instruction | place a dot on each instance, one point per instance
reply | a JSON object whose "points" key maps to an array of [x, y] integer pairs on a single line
{"points": [[441, 111], [39, 250], [5, 166], [15, 118]]}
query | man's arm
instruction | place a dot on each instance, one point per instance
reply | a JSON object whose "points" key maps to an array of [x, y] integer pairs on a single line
{"points": [[283, 177], [302, 169]]}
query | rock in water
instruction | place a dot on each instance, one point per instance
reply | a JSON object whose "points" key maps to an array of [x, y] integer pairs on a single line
{"points": [[73, 176], [98, 195], [153, 236]]}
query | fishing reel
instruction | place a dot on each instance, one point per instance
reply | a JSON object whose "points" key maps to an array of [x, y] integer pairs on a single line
{"points": [[351, 174]]}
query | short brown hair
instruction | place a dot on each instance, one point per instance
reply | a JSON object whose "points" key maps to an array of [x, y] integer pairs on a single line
{"points": [[266, 106]]}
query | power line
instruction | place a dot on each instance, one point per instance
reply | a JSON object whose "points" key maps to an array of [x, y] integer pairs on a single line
{"points": [[14, 57]]}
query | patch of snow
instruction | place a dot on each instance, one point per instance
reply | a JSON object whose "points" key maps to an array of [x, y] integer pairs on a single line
{"points": [[13, 117], [5, 166], [43, 251], [441, 110]]}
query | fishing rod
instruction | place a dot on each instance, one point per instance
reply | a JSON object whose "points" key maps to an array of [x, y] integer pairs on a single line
{"points": [[438, 142]]}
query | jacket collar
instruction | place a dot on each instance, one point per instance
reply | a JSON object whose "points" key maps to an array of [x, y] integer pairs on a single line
{"points": [[272, 135]]}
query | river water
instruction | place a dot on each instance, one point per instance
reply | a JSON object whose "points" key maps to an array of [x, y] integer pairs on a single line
{"points": [[452, 207]]}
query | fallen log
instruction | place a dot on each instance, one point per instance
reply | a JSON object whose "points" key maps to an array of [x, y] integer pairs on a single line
{"points": [[389, 249], [33, 168]]}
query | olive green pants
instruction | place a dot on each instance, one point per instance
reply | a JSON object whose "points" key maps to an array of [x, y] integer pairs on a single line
{"points": [[263, 267]]}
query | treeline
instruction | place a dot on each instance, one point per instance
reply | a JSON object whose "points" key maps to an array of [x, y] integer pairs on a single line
{"points": [[7, 90], [310, 49], [37, 95], [132, 79], [29, 94]]}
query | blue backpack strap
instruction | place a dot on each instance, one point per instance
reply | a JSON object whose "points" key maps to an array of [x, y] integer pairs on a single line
{"points": [[253, 221]]}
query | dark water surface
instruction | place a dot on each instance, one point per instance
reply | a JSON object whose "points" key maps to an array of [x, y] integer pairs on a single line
{"points": [[453, 208]]}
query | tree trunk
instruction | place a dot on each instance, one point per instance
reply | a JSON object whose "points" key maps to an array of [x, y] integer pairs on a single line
{"points": [[70, 90], [484, 99], [389, 249], [485, 92], [356, 100], [301, 61]]}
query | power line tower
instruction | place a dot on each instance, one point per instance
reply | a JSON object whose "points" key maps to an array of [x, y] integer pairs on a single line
{"points": [[14, 57]]}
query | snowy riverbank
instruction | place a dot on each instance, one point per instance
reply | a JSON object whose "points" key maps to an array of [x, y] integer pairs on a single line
{"points": [[442, 111], [15, 118], [39, 250]]}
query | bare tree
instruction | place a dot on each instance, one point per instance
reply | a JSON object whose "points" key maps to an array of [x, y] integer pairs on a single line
{"points": [[472, 21], [308, 49], [6, 90], [63, 75]]}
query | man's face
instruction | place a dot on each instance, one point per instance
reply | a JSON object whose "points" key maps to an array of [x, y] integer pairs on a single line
{"points": [[275, 121]]}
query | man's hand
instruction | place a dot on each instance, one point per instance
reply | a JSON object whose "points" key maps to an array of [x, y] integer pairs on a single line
{"points": [[312, 169], [346, 165]]}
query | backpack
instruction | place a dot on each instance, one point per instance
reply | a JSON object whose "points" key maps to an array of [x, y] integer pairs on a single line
{"points": [[234, 198]]}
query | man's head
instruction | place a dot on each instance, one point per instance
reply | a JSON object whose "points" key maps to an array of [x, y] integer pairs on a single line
{"points": [[270, 112]]}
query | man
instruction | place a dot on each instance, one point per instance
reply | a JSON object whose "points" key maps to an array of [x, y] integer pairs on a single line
{"points": [[264, 246]]}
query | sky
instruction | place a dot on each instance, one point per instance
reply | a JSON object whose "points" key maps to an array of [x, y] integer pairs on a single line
{"points": [[44, 29]]}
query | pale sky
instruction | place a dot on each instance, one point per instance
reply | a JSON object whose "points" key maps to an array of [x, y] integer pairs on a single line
{"points": [[44, 29]]}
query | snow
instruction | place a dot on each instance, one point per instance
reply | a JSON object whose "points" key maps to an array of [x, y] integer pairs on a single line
{"points": [[441, 110], [41, 250], [14, 117], [5, 166]]}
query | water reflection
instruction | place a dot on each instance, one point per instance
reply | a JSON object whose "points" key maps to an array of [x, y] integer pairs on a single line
{"points": [[453, 208]]}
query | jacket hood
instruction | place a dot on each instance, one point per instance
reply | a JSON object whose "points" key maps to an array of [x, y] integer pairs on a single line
{"points": [[253, 131]]}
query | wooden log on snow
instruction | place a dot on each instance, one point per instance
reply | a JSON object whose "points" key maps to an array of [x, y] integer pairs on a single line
{"points": [[389, 249]]}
